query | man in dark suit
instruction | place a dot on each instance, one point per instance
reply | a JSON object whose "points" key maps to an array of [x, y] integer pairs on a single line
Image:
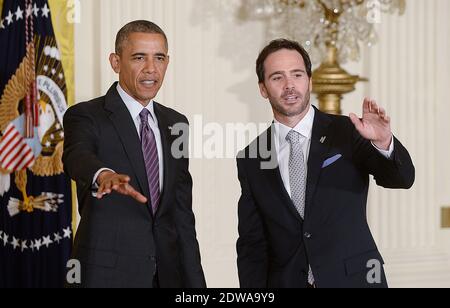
{"points": [[137, 227], [302, 212]]}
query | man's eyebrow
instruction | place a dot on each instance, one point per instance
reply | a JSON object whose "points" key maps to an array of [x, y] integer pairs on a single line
{"points": [[276, 73], [298, 71], [282, 73], [141, 54]]}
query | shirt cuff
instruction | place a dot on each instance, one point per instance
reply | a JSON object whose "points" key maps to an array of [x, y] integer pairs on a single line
{"points": [[388, 153], [94, 181]]}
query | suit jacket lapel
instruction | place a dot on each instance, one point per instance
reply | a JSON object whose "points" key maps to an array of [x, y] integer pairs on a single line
{"points": [[273, 175], [317, 154], [126, 129]]}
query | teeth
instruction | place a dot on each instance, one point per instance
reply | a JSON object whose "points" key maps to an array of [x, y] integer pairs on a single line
{"points": [[148, 82]]}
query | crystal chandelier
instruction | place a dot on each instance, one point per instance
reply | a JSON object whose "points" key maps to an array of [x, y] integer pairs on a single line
{"points": [[314, 23], [331, 31]]}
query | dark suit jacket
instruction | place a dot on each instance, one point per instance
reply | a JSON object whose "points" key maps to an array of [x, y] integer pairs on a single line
{"points": [[276, 245], [119, 242]]}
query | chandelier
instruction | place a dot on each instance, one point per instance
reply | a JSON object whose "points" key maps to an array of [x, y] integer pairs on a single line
{"points": [[332, 31], [314, 23]]}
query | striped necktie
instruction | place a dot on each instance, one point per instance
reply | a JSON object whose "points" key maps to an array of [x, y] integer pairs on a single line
{"points": [[150, 153]]}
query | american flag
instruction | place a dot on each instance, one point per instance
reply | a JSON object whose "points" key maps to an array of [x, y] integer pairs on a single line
{"points": [[15, 153]]}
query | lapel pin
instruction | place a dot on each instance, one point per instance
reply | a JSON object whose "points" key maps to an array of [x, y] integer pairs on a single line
{"points": [[322, 140]]}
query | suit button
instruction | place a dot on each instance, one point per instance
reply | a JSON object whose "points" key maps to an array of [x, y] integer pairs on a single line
{"points": [[307, 235]]}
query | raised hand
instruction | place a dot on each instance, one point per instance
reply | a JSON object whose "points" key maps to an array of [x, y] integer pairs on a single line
{"points": [[110, 181], [375, 124]]}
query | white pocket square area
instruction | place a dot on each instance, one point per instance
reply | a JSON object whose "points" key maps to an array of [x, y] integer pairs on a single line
{"points": [[331, 160]]}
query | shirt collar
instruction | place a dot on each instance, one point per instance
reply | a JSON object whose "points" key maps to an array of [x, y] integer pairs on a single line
{"points": [[304, 127], [133, 106]]}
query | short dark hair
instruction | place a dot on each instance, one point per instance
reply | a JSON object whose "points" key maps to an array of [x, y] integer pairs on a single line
{"points": [[275, 46], [137, 26]]}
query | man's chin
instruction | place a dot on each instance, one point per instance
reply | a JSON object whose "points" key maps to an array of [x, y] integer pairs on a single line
{"points": [[147, 96], [290, 110], [144, 100], [293, 112]]}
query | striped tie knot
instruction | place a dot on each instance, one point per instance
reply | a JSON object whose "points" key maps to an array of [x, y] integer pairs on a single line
{"points": [[144, 116]]}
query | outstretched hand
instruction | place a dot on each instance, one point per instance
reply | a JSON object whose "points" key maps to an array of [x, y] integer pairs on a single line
{"points": [[375, 124], [110, 181]]}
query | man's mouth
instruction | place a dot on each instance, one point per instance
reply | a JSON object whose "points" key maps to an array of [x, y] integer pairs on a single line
{"points": [[148, 82], [292, 98]]}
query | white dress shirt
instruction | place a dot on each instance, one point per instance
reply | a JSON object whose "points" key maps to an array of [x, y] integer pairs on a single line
{"points": [[135, 108], [305, 127]]}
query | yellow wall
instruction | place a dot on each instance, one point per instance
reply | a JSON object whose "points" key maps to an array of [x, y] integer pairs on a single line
{"points": [[64, 33]]}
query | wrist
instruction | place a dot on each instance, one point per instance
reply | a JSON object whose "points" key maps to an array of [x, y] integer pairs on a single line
{"points": [[383, 144]]}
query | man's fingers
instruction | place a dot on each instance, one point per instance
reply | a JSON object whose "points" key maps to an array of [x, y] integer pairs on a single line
{"points": [[128, 190], [366, 105], [100, 192], [382, 113], [374, 107], [107, 187], [134, 194], [123, 178], [356, 121], [120, 184], [116, 183], [138, 196], [102, 189], [111, 182]]}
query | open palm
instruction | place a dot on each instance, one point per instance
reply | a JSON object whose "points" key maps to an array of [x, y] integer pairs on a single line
{"points": [[375, 125]]}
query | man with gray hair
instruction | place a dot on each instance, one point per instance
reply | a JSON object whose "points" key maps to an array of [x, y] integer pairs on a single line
{"points": [[137, 226]]}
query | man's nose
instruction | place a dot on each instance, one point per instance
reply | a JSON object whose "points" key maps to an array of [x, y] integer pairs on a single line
{"points": [[290, 88], [150, 66], [289, 85]]}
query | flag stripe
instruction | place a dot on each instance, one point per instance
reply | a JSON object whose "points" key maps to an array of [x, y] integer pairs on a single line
{"points": [[25, 157], [27, 162], [8, 131], [11, 152], [8, 143], [14, 159], [15, 153]]}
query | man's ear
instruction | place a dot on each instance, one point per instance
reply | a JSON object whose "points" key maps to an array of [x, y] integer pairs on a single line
{"points": [[114, 59], [310, 85], [263, 90]]}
